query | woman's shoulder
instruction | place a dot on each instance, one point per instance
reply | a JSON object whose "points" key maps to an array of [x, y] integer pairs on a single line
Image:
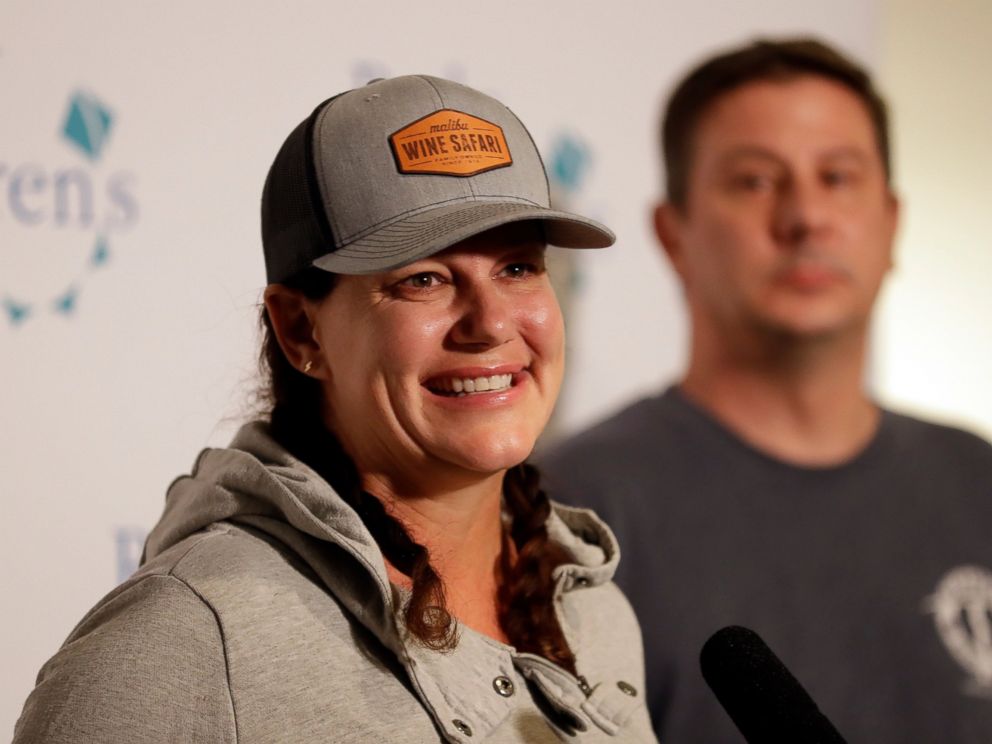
{"points": [[224, 558], [153, 652], [122, 670]]}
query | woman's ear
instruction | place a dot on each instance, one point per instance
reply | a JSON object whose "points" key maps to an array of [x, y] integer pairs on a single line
{"points": [[292, 316]]}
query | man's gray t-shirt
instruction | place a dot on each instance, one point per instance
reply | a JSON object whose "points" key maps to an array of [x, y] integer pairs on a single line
{"points": [[872, 580]]}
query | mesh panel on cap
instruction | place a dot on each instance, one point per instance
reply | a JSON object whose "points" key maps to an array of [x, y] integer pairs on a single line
{"points": [[294, 226]]}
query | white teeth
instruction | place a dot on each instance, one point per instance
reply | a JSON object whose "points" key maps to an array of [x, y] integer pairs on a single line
{"points": [[465, 385]]}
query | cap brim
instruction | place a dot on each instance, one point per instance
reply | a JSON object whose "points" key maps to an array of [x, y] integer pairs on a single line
{"points": [[423, 234]]}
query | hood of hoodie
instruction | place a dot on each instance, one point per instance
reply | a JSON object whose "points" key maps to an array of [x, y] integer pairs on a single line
{"points": [[256, 482]]}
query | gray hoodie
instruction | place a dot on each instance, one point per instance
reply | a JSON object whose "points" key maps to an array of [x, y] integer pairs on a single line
{"points": [[262, 613]]}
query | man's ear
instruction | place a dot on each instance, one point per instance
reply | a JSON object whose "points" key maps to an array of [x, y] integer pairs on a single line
{"points": [[667, 227], [894, 208], [292, 316]]}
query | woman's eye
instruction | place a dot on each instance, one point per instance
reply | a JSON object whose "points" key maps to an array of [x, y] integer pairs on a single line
{"points": [[520, 270], [423, 280]]}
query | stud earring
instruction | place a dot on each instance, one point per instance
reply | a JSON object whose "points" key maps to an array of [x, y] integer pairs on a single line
{"points": [[308, 366]]}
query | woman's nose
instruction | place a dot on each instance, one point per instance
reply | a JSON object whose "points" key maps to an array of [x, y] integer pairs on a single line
{"points": [[486, 317]]}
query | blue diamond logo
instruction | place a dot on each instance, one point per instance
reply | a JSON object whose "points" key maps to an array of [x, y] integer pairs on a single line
{"points": [[66, 302], [101, 252], [17, 312], [87, 124], [569, 162]]}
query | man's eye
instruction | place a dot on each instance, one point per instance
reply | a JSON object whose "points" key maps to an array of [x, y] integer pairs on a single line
{"points": [[753, 182], [838, 177]]}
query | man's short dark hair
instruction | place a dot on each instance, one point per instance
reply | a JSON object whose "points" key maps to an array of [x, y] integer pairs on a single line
{"points": [[759, 61]]}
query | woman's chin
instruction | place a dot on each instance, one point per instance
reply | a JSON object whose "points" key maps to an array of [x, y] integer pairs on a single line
{"points": [[490, 455]]}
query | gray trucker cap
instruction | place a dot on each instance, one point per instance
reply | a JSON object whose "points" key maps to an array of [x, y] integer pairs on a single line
{"points": [[400, 169]]}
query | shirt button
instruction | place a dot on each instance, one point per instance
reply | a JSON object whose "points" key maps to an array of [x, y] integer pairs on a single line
{"points": [[504, 686], [462, 727], [627, 689], [582, 581]]}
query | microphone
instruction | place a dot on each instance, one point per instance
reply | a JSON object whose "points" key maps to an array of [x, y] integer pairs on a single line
{"points": [[764, 700]]}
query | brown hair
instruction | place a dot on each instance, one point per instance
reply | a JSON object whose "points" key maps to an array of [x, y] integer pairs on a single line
{"points": [[760, 60], [525, 597]]}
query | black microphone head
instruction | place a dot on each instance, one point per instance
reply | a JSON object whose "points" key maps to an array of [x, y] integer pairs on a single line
{"points": [[764, 700]]}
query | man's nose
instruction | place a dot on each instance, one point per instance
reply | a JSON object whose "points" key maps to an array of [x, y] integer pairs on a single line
{"points": [[802, 211]]}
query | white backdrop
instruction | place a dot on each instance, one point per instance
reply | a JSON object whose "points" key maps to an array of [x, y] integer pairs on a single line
{"points": [[933, 349], [133, 145]]}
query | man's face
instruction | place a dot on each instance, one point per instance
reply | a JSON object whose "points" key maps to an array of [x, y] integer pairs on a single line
{"points": [[789, 221]]}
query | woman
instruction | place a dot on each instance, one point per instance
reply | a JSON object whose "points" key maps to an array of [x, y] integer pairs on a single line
{"points": [[374, 563]]}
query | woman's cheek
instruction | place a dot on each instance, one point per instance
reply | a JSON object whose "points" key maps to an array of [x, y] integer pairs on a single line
{"points": [[545, 320]]}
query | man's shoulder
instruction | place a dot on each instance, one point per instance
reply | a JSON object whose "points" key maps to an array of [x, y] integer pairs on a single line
{"points": [[626, 453], [652, 418], [939, 439]]}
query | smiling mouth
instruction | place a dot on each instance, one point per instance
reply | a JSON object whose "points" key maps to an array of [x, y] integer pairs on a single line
{"points": [[459, 387]]}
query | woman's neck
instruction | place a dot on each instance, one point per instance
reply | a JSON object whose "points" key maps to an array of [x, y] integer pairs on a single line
{"points": [[461, 528]]}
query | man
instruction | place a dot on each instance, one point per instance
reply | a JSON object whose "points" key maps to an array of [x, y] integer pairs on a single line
{"points": [[767, 489]]}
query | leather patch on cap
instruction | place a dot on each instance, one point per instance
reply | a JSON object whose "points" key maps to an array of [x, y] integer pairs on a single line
{"points": [[450, 143]]}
